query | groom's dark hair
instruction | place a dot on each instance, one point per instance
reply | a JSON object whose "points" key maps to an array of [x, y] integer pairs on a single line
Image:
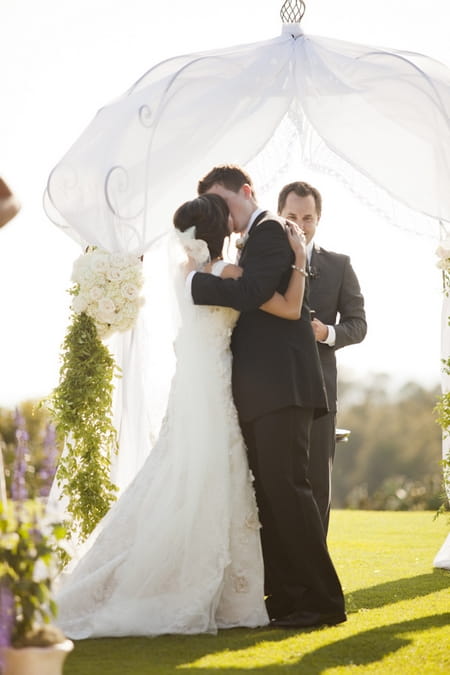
{"points": [[230, 176], [209, 214]]}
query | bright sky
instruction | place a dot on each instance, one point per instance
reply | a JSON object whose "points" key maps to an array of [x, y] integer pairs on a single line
{"points": [[64, 59]]}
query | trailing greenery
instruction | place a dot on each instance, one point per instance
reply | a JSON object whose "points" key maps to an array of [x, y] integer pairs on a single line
{"points": [[81, 409], [29, 550]]}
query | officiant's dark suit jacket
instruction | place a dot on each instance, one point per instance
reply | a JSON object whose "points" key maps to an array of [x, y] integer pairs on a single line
{"points": [[333, 291], [275, 361]]}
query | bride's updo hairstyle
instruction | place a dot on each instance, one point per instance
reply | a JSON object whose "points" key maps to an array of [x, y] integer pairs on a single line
{"points": [[209, 215]]}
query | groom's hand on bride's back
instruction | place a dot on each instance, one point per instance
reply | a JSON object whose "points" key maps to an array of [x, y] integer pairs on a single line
{"points": [[231, 272]]}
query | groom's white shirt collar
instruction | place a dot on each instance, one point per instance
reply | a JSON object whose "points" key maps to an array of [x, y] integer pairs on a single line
{"points": [[253, 217]]}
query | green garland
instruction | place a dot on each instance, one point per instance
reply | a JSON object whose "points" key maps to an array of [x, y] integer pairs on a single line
{"points": [[81, 408], [442, 411]]}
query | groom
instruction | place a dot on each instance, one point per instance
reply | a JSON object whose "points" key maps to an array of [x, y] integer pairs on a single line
{"points": [[278, 390]]}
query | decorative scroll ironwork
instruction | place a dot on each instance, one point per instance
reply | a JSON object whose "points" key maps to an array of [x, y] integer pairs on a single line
{"points": [[292, 11]]}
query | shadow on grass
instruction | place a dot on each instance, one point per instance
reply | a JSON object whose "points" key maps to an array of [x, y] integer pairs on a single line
{"points": [[398, 590], [164, 655], [369, 646]]}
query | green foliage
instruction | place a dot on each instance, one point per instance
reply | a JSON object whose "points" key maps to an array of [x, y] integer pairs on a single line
{"points": [[36, 419], [81, 409], [29, 550], [393, 457], [442, 411]]}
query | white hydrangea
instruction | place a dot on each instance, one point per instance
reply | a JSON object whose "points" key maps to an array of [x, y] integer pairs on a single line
{"points": [[114, 274], [80, 303], [107, 287], [129, 291], [99, 264], [96, 292]]}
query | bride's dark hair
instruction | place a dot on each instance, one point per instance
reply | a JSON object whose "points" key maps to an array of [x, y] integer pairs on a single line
{"points": [[209, 214]]}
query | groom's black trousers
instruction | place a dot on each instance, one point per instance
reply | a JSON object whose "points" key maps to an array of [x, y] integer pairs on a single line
{"points": [[299, 573]]}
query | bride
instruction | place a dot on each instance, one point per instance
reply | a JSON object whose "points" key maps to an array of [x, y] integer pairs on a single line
{"points": [[180, 550]]}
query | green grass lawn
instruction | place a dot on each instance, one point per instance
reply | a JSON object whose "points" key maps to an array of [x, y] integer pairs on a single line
{"points": [[398, 615]]}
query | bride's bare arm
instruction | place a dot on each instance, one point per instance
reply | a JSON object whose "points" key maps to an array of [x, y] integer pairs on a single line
{"points": [[289, 305]]}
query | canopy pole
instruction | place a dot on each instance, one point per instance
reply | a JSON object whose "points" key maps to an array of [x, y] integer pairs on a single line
{"points": [[292, 11]]}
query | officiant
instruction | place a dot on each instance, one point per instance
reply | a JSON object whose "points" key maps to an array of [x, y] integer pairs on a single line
{"points": [[333, 291]]}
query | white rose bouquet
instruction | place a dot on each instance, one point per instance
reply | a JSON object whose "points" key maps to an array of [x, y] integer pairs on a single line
{"points": [[107, 288]]}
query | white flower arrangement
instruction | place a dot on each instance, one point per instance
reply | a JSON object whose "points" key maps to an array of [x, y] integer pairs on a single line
{"points": [[443, 253], [107, 287]]}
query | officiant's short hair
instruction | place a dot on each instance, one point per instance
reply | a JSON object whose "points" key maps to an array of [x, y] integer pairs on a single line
{"points": [[301, 189], [232, 177]]}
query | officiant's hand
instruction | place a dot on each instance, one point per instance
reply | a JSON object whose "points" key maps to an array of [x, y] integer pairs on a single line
{"points": [[320, 330]]}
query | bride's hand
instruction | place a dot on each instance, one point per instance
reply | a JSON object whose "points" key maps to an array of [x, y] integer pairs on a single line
{"points": [[297, 241], [231, 272]]}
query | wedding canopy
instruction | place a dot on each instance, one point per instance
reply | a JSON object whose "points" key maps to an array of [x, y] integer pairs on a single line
{"points": [[382, 114], [373, 115]]}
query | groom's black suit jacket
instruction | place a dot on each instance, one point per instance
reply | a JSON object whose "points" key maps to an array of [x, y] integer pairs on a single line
{"points": [[275, 361]]}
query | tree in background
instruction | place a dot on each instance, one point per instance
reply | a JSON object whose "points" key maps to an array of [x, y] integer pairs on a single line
{"points": [[393, 457]]}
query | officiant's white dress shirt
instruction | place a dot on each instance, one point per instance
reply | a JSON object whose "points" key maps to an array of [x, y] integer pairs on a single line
{"points": [[331, 337]]}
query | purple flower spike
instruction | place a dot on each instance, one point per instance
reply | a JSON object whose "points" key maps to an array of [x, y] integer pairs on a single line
{"points": [[19, 490], [48, 468], [6, 615]]}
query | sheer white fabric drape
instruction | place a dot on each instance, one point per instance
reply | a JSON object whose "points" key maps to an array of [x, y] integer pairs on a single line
{"points": [[384, 112]]}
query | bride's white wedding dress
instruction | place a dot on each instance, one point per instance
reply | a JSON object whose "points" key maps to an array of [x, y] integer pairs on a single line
{"points": [[180, 551]]}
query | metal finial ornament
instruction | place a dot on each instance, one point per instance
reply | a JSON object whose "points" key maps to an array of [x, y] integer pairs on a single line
{"points": [[292, 11]]}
